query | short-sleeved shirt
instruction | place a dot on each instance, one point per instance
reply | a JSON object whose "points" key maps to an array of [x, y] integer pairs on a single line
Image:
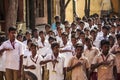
{"points": [[105, 72], [57, 72], [13, 55], [79, 73], [34, 61], [115, 48], [90, 54], [2, 61], [67, 55]]}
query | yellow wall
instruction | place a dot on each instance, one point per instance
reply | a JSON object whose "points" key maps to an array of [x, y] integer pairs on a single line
{"points": [[80, 5], [69, 11], [95, 7], [115, 5]]}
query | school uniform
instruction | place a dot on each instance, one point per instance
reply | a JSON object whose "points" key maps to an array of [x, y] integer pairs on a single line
{"points": [[105, 72], [90, 54], [55, 73], [12, 58], [35, 61], [2, 65], [79, 73], [115, 48]]}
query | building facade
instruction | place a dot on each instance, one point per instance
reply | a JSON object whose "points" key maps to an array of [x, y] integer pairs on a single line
{"points": [[32, 13]]}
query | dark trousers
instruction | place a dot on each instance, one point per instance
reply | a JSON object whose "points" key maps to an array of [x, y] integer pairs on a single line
{"points": [[118, 76], [93, 76], [2, 75]]}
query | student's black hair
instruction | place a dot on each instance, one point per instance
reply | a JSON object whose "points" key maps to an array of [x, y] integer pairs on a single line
{"points": [[111, 37], [51, 38], [57, 17], [73, 24], [82, 32], [93, 30], [78, 30], [34, 30], [104, 42], [88, 39], [29, 41], [73, 36], [118, 35], [65, 22], [47, 25], [41, 32], [65, 34], [27, 32], [33, 44], [79, 45], [12, 29], [58, 23], [73, 32], [82, 22], [78, 18], [19, 35], [54, 44], [107, 27]]}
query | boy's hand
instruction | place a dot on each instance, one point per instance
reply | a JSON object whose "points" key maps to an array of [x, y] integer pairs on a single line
{"points": [[56, 61], [106, 62], [78, 64]]}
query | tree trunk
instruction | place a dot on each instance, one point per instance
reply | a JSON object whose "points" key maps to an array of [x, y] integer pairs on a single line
{"points": [[63, 6], [11, 14], [32, 13], [85, 10], [62, 10]]}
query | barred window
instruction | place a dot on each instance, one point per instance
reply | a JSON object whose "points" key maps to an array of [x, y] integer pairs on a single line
{"points": [[40, 8], [2, 10]]}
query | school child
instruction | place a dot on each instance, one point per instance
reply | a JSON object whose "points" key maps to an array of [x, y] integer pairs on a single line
{"points": [[116, 50], [105, 62], [79, 64], [32, 64], [14, 52], [55, 63], [90, 53]]}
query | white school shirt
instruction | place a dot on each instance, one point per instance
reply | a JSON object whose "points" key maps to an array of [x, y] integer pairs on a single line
{"points": [[67, 55], [13, 55], [26, 54], [35, 61], [58, 75], [25, 42], [2, 62], [96, 43], [42, 51]]}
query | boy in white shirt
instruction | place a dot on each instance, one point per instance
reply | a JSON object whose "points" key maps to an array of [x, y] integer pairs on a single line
{"points": [[55, 63], [33, 62], [14, 53]]}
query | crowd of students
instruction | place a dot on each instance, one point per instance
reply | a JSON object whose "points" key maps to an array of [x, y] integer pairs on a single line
{"points": [[86, 49]]}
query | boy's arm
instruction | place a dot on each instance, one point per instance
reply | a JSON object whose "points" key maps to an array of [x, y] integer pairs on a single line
{"points": [[115, 72], [94, 66], [44, 62], [72, 67], [88, 73]]}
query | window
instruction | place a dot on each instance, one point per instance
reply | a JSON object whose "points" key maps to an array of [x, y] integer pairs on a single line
{"points": [[2, 10], [40, 8]]}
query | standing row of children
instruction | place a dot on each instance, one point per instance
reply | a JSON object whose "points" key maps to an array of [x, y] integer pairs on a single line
{"points": [[87, 49]]}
